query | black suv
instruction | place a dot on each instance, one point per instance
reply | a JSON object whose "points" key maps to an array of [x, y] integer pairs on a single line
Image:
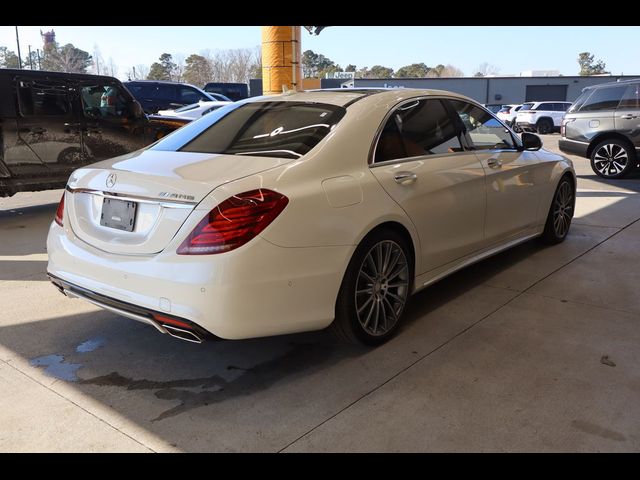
{"points": [[52, 123], [160, 95], [603, 124]]}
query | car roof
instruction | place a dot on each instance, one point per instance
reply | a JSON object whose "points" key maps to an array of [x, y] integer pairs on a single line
{"points": [[47, 73], [343, 97], [613, 84]]}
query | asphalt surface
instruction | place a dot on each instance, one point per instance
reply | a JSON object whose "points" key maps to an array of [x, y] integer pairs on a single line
{"points": [[535, 349]]}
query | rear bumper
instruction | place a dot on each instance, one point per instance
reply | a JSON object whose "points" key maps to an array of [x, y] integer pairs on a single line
{"points": [[258, 290], [573, 147]]}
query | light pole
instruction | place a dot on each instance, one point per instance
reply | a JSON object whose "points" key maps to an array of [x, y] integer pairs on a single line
{"points": [[18, 42]]}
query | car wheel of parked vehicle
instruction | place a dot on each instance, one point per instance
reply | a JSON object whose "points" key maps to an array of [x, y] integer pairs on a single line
{"points": [[71, 155], [544, 126], [560, 213], [612, 159], [515, 127], [375, 290]]}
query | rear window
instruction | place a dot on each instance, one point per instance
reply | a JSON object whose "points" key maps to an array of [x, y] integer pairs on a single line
{"points": [[505, 110], [186, 108], [267, 129]]}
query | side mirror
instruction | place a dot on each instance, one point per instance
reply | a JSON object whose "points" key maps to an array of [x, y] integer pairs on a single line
{"points": [[531, 141]]}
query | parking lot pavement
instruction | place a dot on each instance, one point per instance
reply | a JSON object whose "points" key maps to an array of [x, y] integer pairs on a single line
{"points": [[534, 349]]}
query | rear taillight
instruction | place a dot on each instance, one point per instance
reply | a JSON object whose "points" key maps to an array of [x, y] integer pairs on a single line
{"points": [[234, 222], [60, 212]]}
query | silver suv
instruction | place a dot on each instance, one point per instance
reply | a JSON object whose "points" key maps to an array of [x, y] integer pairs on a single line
{"points": [[603, 124]]}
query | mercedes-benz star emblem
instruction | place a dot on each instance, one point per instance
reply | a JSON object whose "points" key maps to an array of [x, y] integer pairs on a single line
{"points": [[111, 180]]}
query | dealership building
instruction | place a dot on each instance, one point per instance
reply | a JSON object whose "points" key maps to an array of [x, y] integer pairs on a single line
{"points": [[507, 89]]}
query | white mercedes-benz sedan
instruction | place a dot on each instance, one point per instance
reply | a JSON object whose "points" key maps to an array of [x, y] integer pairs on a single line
{"points": [[298, 212]]}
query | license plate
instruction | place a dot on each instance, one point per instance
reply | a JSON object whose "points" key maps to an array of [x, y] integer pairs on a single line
{"points": [[119, 214]]}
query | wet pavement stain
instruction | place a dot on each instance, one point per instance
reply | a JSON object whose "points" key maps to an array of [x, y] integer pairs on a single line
{"points": [[91, 345], [199, 392], [57, 367]]}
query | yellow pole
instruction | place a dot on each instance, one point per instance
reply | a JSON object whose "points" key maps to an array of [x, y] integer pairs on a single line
{"points": [[281, 59]]}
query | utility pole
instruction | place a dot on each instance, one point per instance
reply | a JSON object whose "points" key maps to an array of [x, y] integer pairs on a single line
{"points": [[39, 62], [18, 42], [135, 77], [30, 59]]}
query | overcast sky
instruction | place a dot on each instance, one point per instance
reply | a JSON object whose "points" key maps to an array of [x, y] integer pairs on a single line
{"points": [[511, 49]]}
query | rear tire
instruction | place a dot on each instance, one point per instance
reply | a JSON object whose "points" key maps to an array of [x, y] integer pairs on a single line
{"points": [[544, 127], [613, 158], [375, 290], [560, 213]]}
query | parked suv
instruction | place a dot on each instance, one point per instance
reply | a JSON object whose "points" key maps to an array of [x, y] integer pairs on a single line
{"points": [[160, 95], [603, 125], [543, 117], [508, 114], [52, 123]]}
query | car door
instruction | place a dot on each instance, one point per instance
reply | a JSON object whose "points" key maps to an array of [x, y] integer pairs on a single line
{"points": [[512, 182], [420, 162], [627, 115], [110, 124], [48, 144]]}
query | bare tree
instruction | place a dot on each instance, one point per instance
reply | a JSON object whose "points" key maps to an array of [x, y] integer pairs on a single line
{"points": [[98, 62], [486, 70], [445, 71], [111, 68], [178, 70], [138, 72]]}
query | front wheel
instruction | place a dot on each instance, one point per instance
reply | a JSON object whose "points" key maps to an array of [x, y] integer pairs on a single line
{"points": [[560, 213], [612, 159], [375, 290]]}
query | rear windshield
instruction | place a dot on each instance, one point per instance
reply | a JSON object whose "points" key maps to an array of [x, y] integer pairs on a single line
{"points": [[186, 108], [265, 129], [505, 110], [526, 106]]}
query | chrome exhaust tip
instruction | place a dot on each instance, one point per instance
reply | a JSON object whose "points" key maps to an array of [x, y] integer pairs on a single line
{"points": [[182, 334]]}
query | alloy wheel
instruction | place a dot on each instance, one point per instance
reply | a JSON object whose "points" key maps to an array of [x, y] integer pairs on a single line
{"points": [[610, 159], [382, 287], [563, 209]]}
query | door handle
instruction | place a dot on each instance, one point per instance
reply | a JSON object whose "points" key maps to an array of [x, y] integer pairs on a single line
{"points": [[405, 178], [494, 163], [628, 116]]}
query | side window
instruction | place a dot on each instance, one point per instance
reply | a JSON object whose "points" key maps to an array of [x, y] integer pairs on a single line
{"points": [[43, 98], [189, 95], [545, 107], [484, 132], [100, 100], [165, 92], [418, 128], [604, 99], [631, 98]]}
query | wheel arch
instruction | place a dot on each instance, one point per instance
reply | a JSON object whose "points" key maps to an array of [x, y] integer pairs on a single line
{"points": [[608, 136], [548, 119]]}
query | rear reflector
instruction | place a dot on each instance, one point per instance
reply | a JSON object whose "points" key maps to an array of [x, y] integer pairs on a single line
{"points": [[234, 222], [170, 321], [60, 212]]}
